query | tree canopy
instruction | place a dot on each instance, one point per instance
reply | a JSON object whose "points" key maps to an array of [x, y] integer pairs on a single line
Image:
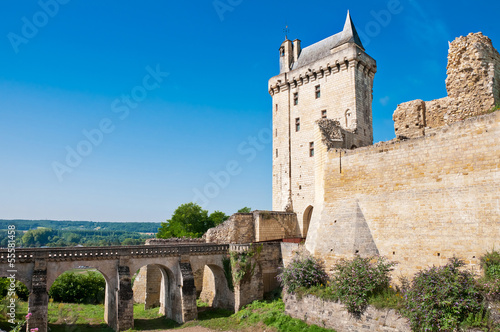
{"points": [[190, 220], [245, 210]]}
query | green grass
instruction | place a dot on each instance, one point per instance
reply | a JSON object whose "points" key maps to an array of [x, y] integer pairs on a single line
{"points": [[260, 315]]}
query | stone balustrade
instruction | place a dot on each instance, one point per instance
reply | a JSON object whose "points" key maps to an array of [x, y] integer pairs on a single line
{"points": [[26, 255]]}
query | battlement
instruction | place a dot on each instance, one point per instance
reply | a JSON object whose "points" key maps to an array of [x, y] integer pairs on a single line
{"points": [[473, 86]]}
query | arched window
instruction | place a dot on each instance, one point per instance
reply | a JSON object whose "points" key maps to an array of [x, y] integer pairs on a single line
{"points": [[348, 118]]}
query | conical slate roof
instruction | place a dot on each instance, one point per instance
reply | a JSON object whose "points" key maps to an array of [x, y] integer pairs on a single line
{"points": [[349, 34], [322, 48]]}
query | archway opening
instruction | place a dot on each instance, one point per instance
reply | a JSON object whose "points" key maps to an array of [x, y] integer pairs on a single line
{"points": [[156, 297], [214, 290], [78, 298], [306, 220]]}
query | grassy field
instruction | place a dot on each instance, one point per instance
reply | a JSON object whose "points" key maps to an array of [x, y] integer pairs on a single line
{"points": [[259, 316]]}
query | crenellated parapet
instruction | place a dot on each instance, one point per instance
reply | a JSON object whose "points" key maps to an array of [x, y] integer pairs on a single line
{"points": [[305, 76]]}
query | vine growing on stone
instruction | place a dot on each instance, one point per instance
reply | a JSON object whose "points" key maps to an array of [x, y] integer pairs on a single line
{"points": [[242, 263]]}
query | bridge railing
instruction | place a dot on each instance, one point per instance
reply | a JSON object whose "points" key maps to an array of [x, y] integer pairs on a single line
{"points": [[111, 252]]}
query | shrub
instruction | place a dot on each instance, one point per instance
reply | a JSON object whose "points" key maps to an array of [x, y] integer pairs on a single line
{"points": [[360, 278], [441, 298], [86, 288], [490, 263], [303, 271]]}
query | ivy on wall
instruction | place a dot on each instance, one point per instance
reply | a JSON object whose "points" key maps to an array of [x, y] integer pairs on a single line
{"points": [[243, 263]]}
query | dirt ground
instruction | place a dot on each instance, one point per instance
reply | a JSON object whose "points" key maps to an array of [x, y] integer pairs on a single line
{"points": [[192, 329]]}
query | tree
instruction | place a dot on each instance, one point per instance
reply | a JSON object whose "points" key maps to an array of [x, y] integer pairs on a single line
{"points": [[37, 237], [245, 210], [188, 220], [218, 217]]}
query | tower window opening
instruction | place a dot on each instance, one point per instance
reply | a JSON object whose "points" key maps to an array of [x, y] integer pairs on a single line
{"points": [[297, 124], [318, 91], [282, 51], [296, 98], [347, 118], [323, 114], [311, 149], [276, 153]]}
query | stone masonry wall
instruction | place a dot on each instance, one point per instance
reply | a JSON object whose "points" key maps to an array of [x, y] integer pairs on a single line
{"points": [[239, 228], [418, 202], [473, 86], [332, 315], [275, 225], [257, 226]]}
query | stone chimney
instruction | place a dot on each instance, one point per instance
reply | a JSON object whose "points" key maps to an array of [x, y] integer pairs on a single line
{"points": [[296, 50], [286, 56]]}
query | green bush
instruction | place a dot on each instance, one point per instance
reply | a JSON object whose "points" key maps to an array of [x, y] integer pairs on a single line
{"points": [[490, 263], [22, 291], [303, 271], [85, 288], [356, 280], [441, 298]]}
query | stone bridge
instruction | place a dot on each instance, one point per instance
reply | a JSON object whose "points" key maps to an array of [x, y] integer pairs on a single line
{"points": [[38, 268]]}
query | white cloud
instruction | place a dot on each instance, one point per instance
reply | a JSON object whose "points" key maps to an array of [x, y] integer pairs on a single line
{"points": [[384, 101]]}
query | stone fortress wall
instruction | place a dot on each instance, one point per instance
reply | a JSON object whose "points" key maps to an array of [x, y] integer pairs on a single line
{"points": [[423, 200]]}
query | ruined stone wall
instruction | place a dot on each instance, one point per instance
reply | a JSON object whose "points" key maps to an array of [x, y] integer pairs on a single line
{"points": [[418, 202], [473, 86], [239, 228], [255, 227], [332, 315]]}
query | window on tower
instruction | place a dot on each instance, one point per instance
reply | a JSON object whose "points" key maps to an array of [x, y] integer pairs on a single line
{"points": [[296, 98], [311, 149], [297, 124], [318, 91], [323, 114]]}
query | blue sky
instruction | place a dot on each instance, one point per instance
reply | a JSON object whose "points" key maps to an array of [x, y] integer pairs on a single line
{"points": [[74, 146]]}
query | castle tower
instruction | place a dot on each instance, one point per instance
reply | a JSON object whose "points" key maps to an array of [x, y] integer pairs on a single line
{"points": [[331, 79]]}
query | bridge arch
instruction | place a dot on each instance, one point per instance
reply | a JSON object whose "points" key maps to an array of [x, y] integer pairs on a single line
{"points": [[158, 287]]}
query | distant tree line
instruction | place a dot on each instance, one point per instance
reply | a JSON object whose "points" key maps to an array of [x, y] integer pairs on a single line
{"points": [[25, 225], [47, 237]]}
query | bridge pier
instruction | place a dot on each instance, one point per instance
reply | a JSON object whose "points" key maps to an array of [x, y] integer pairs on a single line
{"points": [[188, 292], [38, 301], [125, 300], [110, 308]]}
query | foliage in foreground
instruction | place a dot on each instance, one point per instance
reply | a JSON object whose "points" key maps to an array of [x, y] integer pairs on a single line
{"points": [[303, 271], [79, 288], [441, 298], [22, 291], [356, 280]]}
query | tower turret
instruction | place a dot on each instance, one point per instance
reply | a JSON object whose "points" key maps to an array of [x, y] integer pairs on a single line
{"points": [[286, 56]]}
